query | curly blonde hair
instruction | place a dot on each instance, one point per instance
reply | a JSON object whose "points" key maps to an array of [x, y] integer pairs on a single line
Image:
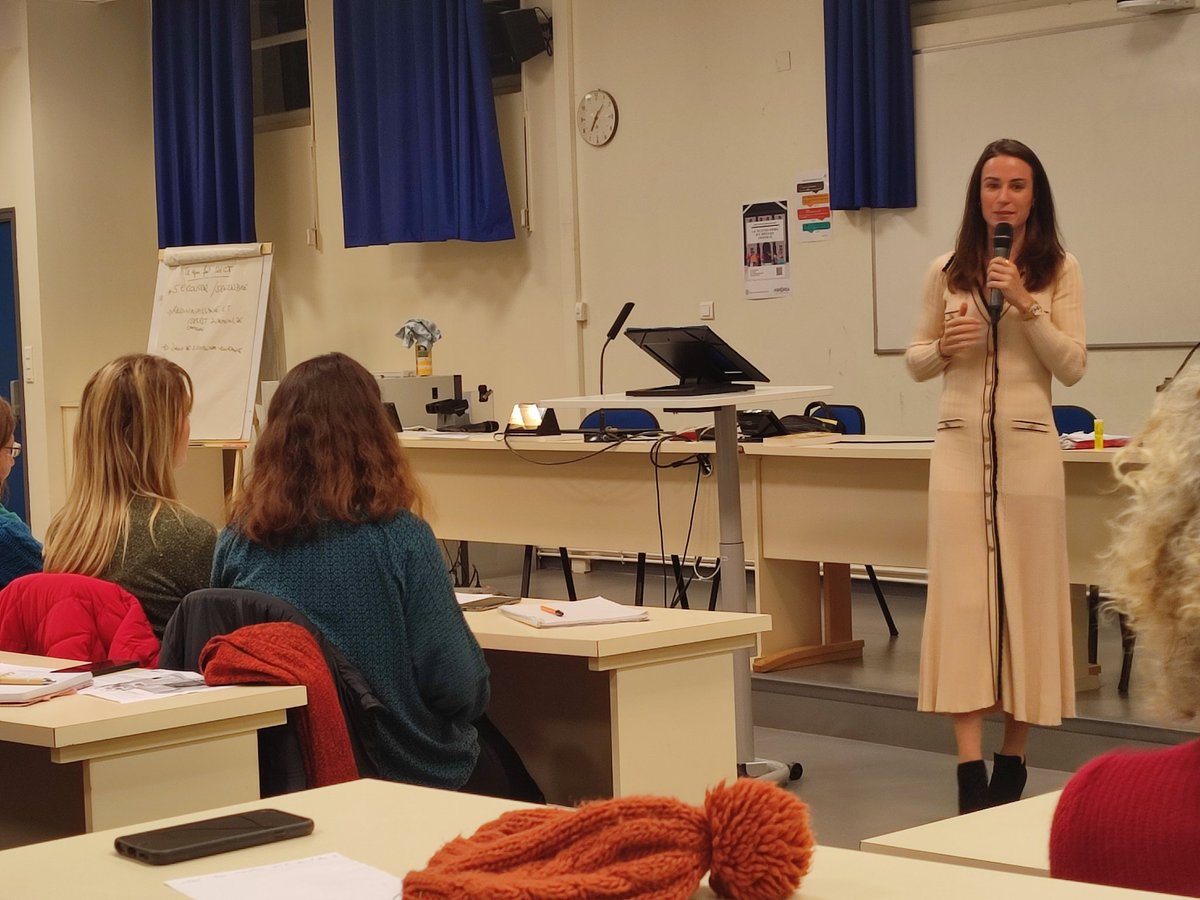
{"points": [[1153, 568]]}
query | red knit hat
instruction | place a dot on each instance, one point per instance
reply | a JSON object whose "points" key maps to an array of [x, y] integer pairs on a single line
{"points": [[754, 836]]}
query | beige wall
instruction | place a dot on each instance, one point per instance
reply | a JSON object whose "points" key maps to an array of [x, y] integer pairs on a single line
{"points": [[708, 121]]}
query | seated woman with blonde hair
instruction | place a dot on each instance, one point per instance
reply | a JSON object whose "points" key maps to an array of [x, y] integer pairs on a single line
{"points": [[123, 521], [328, 521], [20, 553], [1132, 818]]}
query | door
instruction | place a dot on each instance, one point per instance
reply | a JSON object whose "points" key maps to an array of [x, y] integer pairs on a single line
{"points": [[17, 485]]}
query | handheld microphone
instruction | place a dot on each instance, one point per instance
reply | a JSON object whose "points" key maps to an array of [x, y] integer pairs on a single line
{"points": [[1001, 246], [620, 320]]}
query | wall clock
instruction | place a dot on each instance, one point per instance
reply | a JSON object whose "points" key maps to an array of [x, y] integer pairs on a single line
{"points": [[597, 117]]}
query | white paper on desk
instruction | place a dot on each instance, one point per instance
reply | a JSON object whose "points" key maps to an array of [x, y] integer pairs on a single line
{"points": [[329, 876], [592, 611], [147, 684], [464, 599]]}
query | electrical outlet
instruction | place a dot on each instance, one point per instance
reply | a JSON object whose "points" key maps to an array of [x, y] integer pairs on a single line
{"points": [[707, 310], [581, 311], [27, 361]]}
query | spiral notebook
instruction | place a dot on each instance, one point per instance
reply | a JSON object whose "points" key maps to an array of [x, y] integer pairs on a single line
{"points": [[592, 611]]}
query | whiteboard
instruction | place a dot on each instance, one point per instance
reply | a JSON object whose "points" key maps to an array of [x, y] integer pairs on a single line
{"points": [[210, 307], [1114, 114]]}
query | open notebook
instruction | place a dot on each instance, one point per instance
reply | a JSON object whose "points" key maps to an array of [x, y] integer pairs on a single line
{"points": [[592, 611]]}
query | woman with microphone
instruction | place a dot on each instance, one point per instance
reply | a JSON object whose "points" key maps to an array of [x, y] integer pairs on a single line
{"points": [[997, 323]]}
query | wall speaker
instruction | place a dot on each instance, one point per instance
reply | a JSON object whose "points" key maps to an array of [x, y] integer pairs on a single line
{"points": [[525, 35]]}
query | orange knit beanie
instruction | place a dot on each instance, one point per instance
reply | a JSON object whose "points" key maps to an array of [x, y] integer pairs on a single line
{"points": [[754, 836]]}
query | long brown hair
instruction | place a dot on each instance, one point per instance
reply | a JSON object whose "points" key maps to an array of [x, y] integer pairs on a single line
{"points": [[130, 420], [1041, 251], [8, 423], [327, 454]]}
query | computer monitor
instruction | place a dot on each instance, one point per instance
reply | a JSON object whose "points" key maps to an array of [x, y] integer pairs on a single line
{"points": [[703, 362]]}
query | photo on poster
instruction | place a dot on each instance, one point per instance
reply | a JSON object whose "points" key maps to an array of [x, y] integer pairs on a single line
{"points": [[766, 258]]}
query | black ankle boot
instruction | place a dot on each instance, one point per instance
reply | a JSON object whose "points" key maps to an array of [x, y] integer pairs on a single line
{"points": [[1008, 779], [972, 786]]}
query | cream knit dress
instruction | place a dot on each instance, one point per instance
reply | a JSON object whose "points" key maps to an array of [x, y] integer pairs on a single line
{"points": [[997, 620]]}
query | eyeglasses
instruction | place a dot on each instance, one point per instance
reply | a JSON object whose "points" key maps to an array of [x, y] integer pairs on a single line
{"points": [[14, 449]]}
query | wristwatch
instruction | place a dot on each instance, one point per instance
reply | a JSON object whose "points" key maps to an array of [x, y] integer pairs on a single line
{"points": [[1035, 310]]}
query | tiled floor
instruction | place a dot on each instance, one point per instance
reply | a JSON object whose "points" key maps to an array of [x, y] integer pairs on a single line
{"points": [[857, 789]]}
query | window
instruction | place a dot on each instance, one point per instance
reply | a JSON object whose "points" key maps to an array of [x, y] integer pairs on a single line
{"points": [[279, 60]]}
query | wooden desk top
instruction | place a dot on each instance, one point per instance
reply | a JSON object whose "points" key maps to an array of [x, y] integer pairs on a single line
{"points": [[889, 446], [76, 719], [1010, 838], [667, 630], [397, 828]]}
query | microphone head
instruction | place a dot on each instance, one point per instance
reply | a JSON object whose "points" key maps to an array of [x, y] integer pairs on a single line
{"points": [[620, 320], [1002, 239]]}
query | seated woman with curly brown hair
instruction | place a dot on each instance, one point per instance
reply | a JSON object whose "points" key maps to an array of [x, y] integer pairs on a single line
{"points": [[329, 522]]}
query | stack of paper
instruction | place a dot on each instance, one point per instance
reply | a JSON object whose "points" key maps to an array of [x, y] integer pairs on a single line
{"points": [[20, 684], [592, 611]]}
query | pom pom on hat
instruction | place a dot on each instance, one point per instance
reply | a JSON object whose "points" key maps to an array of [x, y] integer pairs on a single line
{"points": [[754, 835]]}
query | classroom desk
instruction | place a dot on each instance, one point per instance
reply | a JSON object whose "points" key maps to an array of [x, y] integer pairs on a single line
{"points": [[856, 501], [1014, 837], [864, 501], [79, 763], [627, 708], [397, 828]]}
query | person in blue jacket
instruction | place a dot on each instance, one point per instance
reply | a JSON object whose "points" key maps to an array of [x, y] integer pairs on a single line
{"points": [[20, 553]]}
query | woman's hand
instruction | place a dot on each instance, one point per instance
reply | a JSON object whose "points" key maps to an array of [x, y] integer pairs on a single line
{"points": [[960, 332], [1003, 274]]}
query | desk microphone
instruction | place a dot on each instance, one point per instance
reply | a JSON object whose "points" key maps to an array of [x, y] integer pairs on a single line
{"points": [[1001, 246], [610, 337], [620, 320]]}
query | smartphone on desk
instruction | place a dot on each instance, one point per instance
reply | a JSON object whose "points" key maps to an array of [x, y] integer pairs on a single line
{"points": [[103, 666], [209, 836]]}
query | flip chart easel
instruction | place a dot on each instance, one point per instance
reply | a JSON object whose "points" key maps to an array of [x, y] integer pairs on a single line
{"points": [[210, 310]]}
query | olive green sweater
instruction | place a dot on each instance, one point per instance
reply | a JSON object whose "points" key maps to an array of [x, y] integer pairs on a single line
{"points": [[159, 568]]}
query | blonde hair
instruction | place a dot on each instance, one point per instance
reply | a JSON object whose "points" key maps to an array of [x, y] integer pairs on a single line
{"points": [[130, 420], [1154, 565]]}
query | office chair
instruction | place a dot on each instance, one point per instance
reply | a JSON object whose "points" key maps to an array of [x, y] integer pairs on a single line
{"points": [[853, 421], [1068, 419], [1073, 418], [621, 420]]}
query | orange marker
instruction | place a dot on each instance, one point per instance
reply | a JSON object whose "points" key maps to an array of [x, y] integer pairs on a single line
{"points": [[552, 610]]}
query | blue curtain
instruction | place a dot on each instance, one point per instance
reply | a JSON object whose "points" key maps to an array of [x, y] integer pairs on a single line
{"points": [[203, 122], [869, 104], [417, 123]]}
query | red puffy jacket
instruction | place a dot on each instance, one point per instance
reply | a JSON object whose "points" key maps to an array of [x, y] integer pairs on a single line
{"points": [[74, 617]]}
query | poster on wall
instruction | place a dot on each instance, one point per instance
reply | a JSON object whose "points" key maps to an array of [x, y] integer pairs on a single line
{"points": [[812, 207], [767, 268]]}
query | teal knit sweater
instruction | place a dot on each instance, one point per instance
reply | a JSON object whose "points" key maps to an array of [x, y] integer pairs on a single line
{"points": [[380, 593], [20, 554]]}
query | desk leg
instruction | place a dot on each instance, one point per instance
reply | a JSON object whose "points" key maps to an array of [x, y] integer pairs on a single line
{"points": [[810, 615], [673, 727], [122, 790], [1087, 675]]}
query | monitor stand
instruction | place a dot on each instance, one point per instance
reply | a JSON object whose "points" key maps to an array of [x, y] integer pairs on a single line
{"points": [[692, 389]]}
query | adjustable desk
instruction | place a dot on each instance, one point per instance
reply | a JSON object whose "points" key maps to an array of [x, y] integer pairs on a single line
{"points": [[729, 505], [78, 763], [398, 827]]}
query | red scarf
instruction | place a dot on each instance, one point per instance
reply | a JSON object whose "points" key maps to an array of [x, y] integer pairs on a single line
{"points": [[286, 653]]}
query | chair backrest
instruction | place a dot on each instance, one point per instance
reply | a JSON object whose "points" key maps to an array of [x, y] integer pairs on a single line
{"points": [[207, 613], [851, 418], [1068, 419], [621, 419]]}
